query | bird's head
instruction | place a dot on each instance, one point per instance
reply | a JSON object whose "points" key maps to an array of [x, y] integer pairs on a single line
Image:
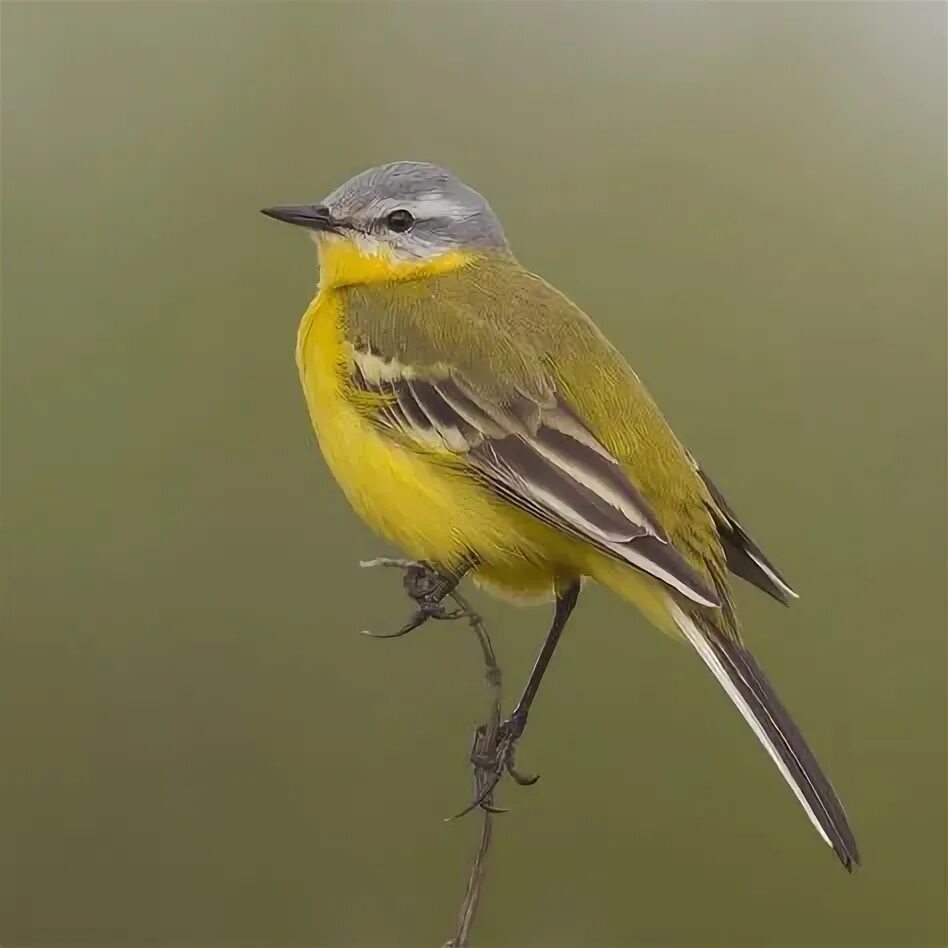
{"points": [[397, 221]]}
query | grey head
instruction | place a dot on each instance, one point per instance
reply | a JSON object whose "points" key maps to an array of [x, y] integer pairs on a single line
{"points": [[411, 210]]}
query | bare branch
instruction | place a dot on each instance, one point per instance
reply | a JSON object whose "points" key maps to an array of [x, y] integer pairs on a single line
{"points": [[485, 737]]}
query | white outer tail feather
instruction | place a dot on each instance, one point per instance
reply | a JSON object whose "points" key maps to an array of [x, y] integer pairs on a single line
{"points": [[693, 634]]}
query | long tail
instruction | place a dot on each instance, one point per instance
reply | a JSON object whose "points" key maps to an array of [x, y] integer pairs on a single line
{"points": [[741, 677]]}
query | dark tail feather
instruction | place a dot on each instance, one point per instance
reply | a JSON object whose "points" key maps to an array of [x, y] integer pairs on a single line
{"points": [[748, 688], [744, 557]]}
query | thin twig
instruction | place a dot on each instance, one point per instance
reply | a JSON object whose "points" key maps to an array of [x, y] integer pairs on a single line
{"points": [[484, 739]]}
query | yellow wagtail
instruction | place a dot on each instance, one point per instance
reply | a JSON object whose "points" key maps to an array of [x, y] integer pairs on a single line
{"points": [[475, 416]]}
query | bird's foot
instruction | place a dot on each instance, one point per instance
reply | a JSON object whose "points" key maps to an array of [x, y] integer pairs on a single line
{"points": [[493, 756], [427, 587]]}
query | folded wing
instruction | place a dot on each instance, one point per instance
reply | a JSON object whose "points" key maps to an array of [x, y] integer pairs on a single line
{"points": [[535, 453]]}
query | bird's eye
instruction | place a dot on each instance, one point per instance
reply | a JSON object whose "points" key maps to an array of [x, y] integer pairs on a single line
{"points": [[399, 221]]}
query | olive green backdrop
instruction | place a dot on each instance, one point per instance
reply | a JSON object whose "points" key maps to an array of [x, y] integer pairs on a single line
{"points": [[198, 747]]}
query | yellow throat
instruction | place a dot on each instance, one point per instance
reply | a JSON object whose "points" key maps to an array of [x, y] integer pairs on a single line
{"points": [[344, 262]]}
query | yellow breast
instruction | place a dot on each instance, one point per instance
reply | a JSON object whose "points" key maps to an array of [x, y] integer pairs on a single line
{"points": [[423, 504]]}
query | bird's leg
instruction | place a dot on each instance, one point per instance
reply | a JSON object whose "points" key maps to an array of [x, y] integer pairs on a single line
{"points": [[428, 587], [492, 763]]}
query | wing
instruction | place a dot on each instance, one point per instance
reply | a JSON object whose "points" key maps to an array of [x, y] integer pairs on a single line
{"points": [[744, 557], [533, 450]]}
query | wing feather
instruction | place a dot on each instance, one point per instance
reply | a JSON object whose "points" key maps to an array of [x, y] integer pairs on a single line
{"points": [[555, 488], [744, 557], [537, 455]]}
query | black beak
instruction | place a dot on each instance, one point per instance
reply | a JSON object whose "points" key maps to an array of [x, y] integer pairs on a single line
{"points": [[311, 216]]}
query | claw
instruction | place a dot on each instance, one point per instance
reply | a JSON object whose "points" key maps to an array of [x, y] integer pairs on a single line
{"points": [[480, 800], [427, 587], [496, 760], [490, 808], [449, 616], [390, 635], [416, 620], [524, 780]]}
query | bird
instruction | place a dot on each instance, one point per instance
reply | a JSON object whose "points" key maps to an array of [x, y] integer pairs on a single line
{"points": [[476, 417]]}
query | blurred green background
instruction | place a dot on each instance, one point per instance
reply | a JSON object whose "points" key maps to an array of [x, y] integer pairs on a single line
{"points": [[198, 747]]}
